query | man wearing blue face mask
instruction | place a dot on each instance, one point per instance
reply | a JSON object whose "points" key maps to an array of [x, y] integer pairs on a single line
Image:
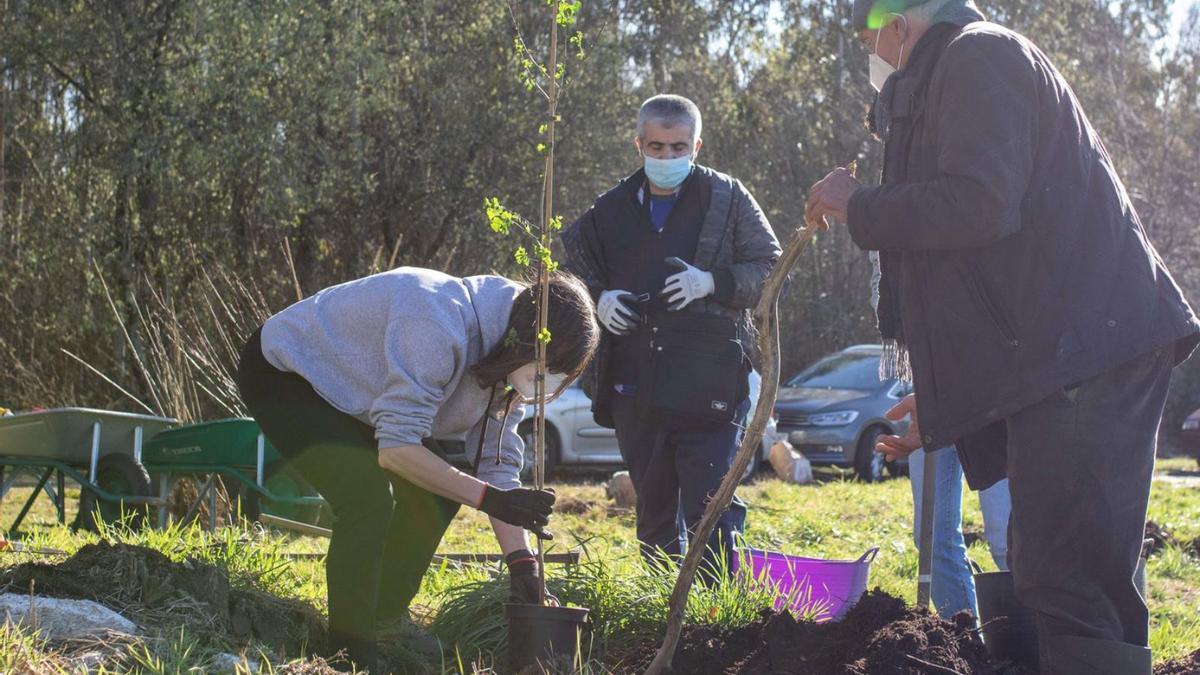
{"points": [[1021, 294], [675, 256]]}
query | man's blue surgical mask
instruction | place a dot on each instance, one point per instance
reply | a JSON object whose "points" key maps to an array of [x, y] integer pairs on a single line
{"points": [[668, 174]]}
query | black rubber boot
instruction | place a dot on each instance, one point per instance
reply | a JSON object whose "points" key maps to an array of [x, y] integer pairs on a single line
{"points": [[1070, 655]]}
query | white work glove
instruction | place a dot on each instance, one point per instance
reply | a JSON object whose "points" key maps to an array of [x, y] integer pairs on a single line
{"points": [[614, 314], [687, 286]]}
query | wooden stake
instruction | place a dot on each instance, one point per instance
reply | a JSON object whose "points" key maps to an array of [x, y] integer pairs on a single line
{"points": [[539, 445]]}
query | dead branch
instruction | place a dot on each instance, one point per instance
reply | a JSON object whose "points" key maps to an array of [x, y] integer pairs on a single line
{"points": [[766, 320]]}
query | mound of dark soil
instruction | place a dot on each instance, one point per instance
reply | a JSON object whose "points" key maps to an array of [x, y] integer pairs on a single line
{"points": [[879, 636], [154, 591], [1188, 665]]}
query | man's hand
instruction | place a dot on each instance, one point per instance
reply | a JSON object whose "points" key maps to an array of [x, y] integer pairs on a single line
{"points": [[523, 584], [522, 507], [830, 198], [687, 286], [618, 317], [894, 447]]}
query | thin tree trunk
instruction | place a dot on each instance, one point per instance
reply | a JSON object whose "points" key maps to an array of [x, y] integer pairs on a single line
{"points": [[766, 320]]}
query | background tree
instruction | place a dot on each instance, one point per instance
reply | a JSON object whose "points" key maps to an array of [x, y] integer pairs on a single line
{"points": [[162, 144]]}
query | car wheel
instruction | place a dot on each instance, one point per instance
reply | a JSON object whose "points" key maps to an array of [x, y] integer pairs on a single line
{"points": [[553, 447], [868, 464]]}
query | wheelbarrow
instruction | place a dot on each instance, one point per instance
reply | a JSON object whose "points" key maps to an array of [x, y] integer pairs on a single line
{"points": [[98, 449], [232, 453]]}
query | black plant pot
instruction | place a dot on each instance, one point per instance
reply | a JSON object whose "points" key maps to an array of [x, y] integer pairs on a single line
{"points": [[544, 635]]}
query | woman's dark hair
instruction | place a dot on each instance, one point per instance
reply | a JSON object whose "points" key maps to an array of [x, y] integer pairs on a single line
{"points": [[574, 332]]}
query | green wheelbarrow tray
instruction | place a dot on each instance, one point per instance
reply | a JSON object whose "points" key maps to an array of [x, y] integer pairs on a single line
{"points": [[69, 435], [233, 448], [283, 494], [233, 442]]}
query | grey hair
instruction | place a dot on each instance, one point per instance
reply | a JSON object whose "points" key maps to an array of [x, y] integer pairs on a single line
{"points": [[669, 110], [925, 13]]}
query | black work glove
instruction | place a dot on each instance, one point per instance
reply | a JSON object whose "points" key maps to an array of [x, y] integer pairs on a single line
{"points": [[529, 509], [523, 584]]}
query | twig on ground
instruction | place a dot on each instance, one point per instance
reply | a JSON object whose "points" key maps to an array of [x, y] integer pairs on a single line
{"points": [[932, 666]]}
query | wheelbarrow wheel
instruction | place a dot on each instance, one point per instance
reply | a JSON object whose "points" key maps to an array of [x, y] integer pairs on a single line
{"points": [[283, 481], [120, 475]]}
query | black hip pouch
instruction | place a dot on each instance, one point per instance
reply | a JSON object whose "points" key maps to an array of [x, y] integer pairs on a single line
{"points": [[696, 366]]}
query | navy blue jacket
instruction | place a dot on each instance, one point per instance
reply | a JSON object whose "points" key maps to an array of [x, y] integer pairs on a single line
{"points": [[736, 244]]}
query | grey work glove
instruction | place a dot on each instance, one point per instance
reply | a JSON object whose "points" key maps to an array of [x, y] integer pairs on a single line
{"points": [[614, 312], [525, 508], [687, 286]]}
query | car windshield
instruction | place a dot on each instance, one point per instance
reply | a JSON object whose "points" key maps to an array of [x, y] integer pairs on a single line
{"points": [[844, 370]]}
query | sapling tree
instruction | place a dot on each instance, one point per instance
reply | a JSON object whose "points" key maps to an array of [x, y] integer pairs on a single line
{"points": [[547, 79]]}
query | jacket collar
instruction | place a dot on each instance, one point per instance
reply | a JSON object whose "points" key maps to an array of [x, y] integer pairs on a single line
{"points": [[897, 97]]}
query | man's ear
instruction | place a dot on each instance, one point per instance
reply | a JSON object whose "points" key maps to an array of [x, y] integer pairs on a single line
{"points": [[899, 29], [699, 143], [637, 143]]}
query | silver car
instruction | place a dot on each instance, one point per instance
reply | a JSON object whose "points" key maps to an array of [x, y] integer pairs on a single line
{"points": [[573, 438]]}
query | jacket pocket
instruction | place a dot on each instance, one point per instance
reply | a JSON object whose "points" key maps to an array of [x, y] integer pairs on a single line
{"points": [[999, 321]]}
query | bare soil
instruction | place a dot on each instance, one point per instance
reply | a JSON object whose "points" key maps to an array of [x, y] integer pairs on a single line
{"points": [[879, 636], [1188, 665]]}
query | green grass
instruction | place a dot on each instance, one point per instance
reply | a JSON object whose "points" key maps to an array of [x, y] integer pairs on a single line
{"points": [[838, 518]]}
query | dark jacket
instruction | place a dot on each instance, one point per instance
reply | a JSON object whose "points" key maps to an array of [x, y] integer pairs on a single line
{"points": [[736, 244], [1024, 267]]}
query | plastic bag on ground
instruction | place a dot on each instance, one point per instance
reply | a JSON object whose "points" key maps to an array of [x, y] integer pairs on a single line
{"points": [[790, 465]]}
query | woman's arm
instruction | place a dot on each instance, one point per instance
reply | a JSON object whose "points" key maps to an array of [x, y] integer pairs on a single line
{"points": [[518, 507], [510, 537], [423, 468], [416, 464]]}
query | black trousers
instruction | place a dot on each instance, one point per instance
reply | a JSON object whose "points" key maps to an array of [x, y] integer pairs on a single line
{"points": [[1079, 468], [385, 529], [675, 468]]}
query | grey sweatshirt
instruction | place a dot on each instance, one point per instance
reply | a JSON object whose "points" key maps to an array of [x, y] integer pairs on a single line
{"points": [[394, 351]]}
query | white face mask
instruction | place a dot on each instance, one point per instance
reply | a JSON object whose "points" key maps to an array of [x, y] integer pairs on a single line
{"points": [[881, 70], [524, 381]]}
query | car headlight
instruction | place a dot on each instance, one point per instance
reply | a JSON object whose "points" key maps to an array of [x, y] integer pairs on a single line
{"points": [[1191, 424], [833, 419]]}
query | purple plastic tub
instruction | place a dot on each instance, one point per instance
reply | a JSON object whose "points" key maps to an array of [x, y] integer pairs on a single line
{"points": [[828, 588]]}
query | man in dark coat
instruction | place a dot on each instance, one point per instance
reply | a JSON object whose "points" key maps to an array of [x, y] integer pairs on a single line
{"points": [[1021, 294], [674, 243]]}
